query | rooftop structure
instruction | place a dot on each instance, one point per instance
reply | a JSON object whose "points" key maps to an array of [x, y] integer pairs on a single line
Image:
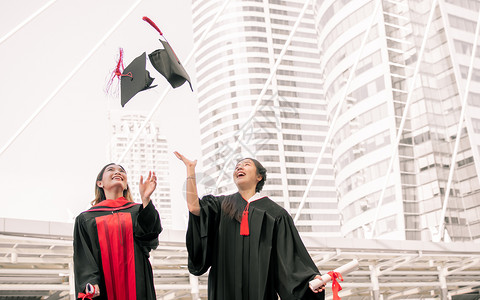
{"points": [[36, 262]]}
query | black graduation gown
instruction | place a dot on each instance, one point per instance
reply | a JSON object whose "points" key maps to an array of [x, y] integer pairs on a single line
{"points": [[271, 260], [111, 245]]}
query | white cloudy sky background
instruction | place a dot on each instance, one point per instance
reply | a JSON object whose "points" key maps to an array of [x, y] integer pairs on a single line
{"points": [[49, 171]]}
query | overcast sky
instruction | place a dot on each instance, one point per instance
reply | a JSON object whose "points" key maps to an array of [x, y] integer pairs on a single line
{"points": [[48, 172]]}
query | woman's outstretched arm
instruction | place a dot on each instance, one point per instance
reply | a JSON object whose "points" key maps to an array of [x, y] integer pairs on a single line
{"points": [[192, 194]]}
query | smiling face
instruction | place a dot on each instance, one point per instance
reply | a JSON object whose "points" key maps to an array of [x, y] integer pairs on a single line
{"points": [[114, 177], [245, 175]]}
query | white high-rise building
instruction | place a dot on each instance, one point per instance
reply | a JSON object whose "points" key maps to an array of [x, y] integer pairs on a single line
{"points": [[366, 129], [148, 153], [288, 129]]}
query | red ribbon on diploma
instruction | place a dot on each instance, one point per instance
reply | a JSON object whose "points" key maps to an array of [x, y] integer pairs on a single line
{"points": [[90, 292], [85, 296], [335, 285]]}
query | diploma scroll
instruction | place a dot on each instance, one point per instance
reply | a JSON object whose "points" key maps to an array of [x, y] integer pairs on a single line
{"points": [[345, 269], [90, 289], [90, 292]]}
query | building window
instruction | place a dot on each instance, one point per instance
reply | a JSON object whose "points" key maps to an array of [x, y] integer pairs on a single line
{"points": [[366, 203], [475, 73], [461, 23], [469, 4], [465, 48], [474, 98], [364, 147], [363, 176], [476, 125]]}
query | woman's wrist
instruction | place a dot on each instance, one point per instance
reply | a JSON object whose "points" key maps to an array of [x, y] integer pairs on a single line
{"points": [[190, 170]]}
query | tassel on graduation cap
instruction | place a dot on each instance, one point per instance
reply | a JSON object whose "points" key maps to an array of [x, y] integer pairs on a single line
{"points": [[117, 72], [133, 79], [244, 228], [166, 62]]}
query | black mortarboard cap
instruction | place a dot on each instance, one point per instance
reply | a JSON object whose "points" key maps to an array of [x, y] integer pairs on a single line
{"points": [[166, 63], [135, 78]]}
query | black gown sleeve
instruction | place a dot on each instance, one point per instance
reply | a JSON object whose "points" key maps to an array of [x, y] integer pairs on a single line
{"points": [[202, 235], [294, 266], [86, 268], [147, 228]]}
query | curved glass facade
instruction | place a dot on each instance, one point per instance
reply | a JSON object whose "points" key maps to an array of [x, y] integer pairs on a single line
{"points": [[371, 113]]}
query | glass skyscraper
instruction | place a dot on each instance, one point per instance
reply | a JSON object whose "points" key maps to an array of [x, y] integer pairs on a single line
{"points": [[365, 132]]}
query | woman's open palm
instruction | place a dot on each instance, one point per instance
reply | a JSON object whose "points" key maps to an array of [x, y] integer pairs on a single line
{"points": [[148, 186], [188, 163]]}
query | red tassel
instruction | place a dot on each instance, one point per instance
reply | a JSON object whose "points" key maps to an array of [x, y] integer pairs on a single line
{"points": [[119, 69], [244, 229], [147, 19], [117, 73]]}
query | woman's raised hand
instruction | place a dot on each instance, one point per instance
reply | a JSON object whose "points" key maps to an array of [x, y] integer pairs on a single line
{"points": [[188, 163], [147, 187]]}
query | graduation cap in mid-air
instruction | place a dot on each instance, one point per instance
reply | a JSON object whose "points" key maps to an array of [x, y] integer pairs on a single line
{"points": [[135, 78], [166, 62]]}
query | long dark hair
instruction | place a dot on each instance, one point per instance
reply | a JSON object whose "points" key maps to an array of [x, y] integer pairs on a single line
{"points": [[260, 171], [234, 209], [100, 193]]}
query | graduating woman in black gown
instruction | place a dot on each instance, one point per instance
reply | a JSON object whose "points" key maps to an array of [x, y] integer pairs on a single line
{"points": [[248, 242], [112, 239]]}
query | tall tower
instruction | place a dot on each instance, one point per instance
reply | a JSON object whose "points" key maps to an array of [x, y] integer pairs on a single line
{"points": [[366, 129], [289, 126], [148, 153]]}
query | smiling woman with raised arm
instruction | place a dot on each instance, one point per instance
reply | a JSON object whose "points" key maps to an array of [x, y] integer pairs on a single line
{"points": [[248, 242], [112, 240]]}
